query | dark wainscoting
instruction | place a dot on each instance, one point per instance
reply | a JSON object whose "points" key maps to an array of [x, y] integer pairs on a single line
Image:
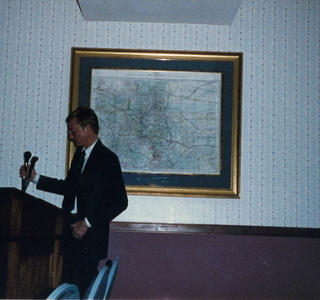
{"points": [[163, 261], [216, 229]]}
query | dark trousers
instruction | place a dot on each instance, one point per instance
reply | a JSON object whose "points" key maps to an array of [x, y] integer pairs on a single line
{"points": [[79, 260]]}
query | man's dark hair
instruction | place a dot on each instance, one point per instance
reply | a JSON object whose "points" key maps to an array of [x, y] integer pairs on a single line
{"points": [[85, 116]]}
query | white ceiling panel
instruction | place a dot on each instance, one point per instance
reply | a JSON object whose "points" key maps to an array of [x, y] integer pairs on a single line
{"points": [[215, 12]]}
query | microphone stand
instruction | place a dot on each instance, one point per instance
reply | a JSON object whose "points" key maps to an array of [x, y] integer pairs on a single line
{"points": [[27, 156]]}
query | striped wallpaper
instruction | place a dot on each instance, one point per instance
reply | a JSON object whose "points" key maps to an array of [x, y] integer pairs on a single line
{"points": [[280, 103]]}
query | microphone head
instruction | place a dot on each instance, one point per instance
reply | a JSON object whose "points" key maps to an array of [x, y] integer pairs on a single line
{"points": [[27, 156]]}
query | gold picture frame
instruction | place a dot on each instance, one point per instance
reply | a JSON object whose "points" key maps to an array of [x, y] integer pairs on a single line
{"points": [[184, 117]]}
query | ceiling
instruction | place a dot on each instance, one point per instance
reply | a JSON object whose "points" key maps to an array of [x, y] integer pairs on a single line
{"points": [[214, 12]]}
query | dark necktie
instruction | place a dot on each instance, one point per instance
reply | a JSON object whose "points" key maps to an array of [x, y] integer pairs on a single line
{"points": [[68, 203], [79, 165]]}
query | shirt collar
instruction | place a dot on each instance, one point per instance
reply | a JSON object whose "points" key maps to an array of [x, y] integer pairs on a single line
{"points": [[89, 149]]}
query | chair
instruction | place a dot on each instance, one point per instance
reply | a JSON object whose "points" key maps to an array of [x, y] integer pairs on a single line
{"points": [[112, 277], [101, 287], [97, 287], [65, 291]]}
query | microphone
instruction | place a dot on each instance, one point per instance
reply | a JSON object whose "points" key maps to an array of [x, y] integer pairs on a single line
{"points": [[26, 156], [34, 159], [32, 164]]}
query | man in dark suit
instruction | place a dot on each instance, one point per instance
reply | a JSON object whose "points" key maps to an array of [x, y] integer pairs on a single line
{"points": [[94, 194]]}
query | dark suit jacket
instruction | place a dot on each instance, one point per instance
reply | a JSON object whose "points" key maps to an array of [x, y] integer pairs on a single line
{"points": [[101, 194]]}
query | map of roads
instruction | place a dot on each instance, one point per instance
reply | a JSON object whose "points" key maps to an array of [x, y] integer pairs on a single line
{"points": [[160, 121]]}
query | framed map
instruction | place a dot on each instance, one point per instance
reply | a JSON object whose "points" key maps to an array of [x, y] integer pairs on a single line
{"points": [[173, 118]]}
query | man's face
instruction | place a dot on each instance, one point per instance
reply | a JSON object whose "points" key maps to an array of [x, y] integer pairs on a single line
{"points": [[77, 134]]}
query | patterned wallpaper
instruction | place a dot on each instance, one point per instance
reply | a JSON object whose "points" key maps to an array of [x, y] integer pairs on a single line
{"points": [[280, 118]]}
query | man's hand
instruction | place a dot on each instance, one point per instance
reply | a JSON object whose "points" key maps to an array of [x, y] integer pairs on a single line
{"points": [[23, 172], [79, 229]]}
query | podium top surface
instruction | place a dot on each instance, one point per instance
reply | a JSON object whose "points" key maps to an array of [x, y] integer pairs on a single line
{"points": [[8, 192]]}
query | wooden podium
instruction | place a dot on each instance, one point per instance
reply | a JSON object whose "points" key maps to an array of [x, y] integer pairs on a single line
{"points": [[30, 248]]}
